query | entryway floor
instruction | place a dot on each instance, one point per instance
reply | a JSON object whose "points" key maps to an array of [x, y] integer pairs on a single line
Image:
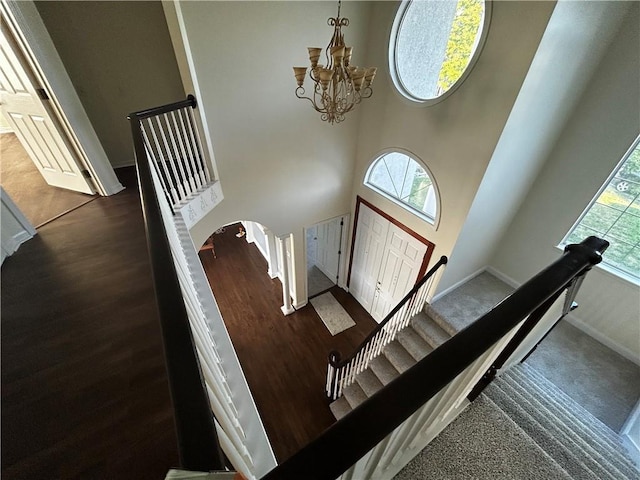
{"points": [[37, 200], [284, 358]]}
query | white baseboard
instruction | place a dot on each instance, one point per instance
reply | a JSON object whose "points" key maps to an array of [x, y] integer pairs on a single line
{"points": [[457, 284], [606, 341], [6, 130], [505, 278], [300, 305]]}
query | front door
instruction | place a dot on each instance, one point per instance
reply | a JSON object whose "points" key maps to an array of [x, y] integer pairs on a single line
{"points": [[27, 115], [386, 263]]}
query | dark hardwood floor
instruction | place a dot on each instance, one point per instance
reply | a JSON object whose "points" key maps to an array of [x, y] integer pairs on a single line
{"points": [[284, 358], [84, 389]]}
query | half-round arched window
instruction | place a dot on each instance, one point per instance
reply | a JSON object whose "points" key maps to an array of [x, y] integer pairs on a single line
{"points": [[405, 180], [434, 44]]}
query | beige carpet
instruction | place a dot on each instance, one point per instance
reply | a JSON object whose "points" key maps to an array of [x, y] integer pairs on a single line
{"points": [[334, 317]]}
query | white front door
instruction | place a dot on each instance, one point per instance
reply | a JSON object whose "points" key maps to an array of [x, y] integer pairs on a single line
{"points": [[386, 263], [26, 113]]}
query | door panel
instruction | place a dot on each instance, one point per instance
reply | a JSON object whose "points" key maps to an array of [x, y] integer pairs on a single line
{"points": [[34, 127], [369, 248]]}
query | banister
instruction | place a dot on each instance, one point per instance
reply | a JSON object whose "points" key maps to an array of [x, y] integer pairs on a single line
{"points": [[190, 101], [198, 445], [349, 439], [334, 356]]}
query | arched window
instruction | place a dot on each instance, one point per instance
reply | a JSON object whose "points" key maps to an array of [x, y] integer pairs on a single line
{"points": [[405, 180], [433, 45]]}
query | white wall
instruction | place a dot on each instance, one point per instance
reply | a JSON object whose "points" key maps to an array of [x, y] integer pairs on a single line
{"points": [[600, 130], [456, 137], [572, 46]]}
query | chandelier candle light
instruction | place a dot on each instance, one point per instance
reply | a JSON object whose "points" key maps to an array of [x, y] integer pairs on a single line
{"points": [[338, 86]]}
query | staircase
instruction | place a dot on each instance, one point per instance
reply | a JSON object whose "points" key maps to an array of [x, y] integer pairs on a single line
{"points": [[552, 436], [427, 330], [580, 443]]}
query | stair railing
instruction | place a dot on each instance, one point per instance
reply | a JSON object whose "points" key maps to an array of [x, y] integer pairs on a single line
{"points": [[198, 443], [173, 145], [213, 408], [342, 373], [374, 439]]}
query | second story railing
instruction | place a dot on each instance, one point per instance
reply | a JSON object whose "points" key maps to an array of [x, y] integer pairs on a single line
{"points": [[342, 373], [172, 143]]}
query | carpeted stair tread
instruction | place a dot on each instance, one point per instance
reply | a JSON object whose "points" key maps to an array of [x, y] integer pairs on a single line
{"points": [[368, 381], [470, 301], [551, 397], [546, 440], [398, 356], [383, 369], [417, 346], [429, 330], [567, 426], [570, 427], [340, 407], [439, 319], [570, 405], [354, 394], [483, 443]]}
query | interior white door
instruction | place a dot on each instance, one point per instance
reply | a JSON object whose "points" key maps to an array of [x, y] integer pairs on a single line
{"points": [[329, 236], [26, 113], [371, 237], [400, 266]]}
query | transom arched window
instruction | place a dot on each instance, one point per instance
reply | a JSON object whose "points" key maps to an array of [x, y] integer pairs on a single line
{"points": [[405, 180]]}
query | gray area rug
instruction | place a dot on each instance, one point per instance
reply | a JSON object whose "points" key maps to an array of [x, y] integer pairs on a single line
{"points": [[334, 317], [483, 443]]}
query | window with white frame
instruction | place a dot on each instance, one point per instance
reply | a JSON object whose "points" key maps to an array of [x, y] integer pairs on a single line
{"points": [[433, 45], [614, 215], [405, 180]]}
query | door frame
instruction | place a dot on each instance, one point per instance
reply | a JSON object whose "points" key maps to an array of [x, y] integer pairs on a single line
{"points": [[34, 42], [430, 245]]}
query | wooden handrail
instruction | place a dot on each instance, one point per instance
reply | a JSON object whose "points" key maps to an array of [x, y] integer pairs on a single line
{"points": [[198, 445]]}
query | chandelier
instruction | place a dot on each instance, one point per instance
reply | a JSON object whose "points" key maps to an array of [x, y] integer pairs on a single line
{"points": [[338, 86]]}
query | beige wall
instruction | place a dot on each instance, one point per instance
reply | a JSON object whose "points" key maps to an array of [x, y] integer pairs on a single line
{"points": [[456, 137], [602, 127], [119, 58]]}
